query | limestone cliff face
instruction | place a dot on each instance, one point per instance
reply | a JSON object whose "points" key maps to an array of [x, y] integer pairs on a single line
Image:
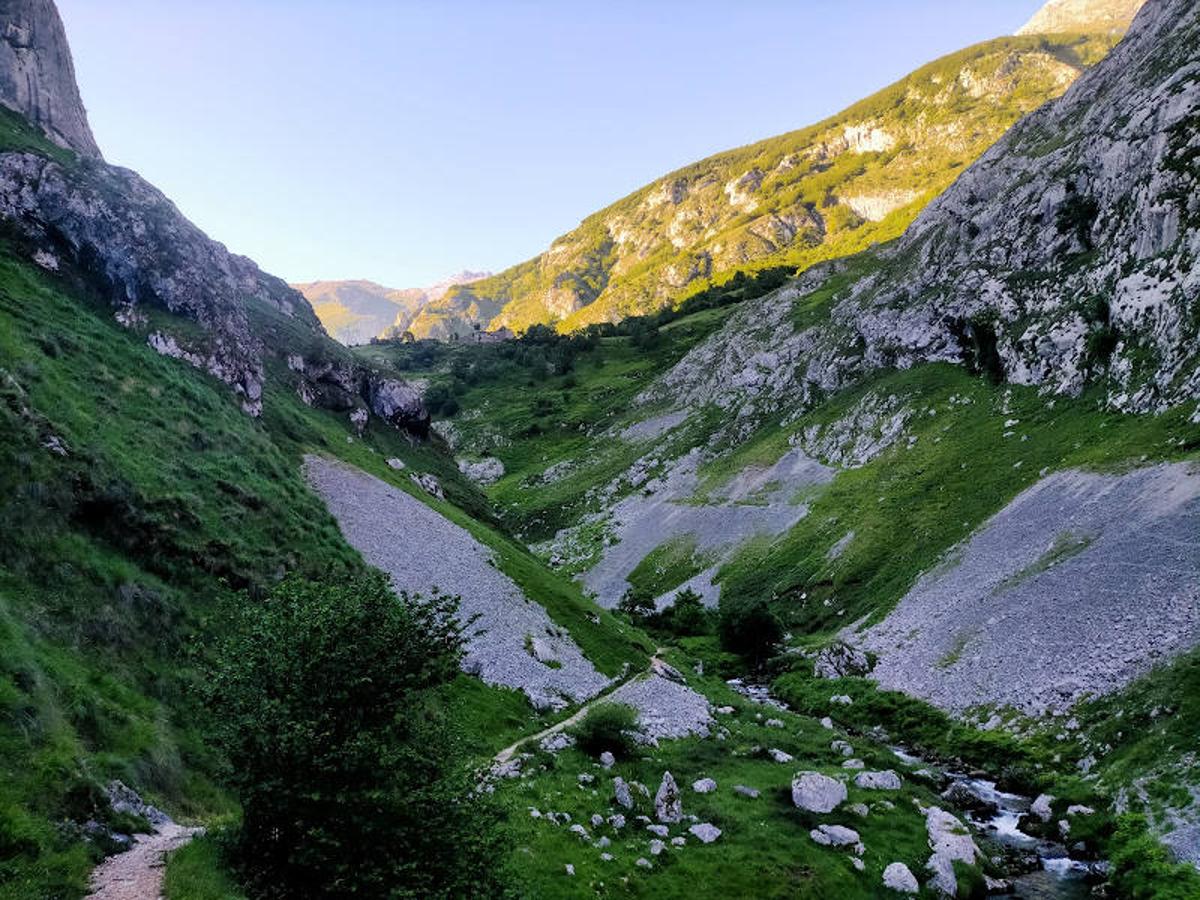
{"points": [[110, 232], [37, 77], [1060, 16], [1065, 256]]}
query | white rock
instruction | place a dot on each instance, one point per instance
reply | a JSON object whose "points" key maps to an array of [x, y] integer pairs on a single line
{"points": [[815, 792], [898, 877], [705, 832], [878, 781]]}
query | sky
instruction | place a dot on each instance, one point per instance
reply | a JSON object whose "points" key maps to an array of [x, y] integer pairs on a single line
{"points": [[404, 141]]}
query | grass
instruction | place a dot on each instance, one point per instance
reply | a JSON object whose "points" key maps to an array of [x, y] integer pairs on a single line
{"points": [[118, 556], [668, 566], [197, 872], [764, 850], [909, 507]]}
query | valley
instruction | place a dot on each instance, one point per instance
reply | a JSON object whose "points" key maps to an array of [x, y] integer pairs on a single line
{"points": [[826, 526]]}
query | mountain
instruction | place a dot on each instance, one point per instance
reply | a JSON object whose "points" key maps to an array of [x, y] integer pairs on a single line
{"points": [[37, 76], [1062, 16], [822, 192], [962, 466], [354, 312], [1063, 258]]}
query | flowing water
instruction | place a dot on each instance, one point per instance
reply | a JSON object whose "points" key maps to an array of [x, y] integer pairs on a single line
{"points": [[1055, 875]]}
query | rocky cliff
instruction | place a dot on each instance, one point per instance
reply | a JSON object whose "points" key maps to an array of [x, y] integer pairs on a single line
{"points": [[1060, 16], [107, 229], [1065, 256], [822, 192], [37, 77]]}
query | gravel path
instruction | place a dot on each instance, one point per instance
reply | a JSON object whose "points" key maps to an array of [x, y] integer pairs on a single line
{"points": [[137, 874], [1007, 625], [757, 501], [420, 549]]}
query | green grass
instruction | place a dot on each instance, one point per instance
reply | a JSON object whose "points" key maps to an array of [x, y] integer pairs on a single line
{"points": [[118, 557], [197, 872], [911, 505], [668, 565]]}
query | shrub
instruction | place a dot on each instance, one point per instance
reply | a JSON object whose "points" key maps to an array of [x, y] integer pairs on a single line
{"points": [[327, 700], [686, 617], [637, 605], [749, 628], [607, 726]]}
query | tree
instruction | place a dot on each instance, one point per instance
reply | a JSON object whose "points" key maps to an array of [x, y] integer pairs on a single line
{"points": [[636, 604], [687, 616], [328, 703], [749, 628]]}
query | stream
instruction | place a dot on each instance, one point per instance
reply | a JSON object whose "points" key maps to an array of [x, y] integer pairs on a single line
{"points": [[1048, 870]]}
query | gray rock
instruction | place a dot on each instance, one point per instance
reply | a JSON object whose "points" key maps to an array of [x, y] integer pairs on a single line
{"points": [[842, 747], [704, 786], [779, 756], [617, 821], [1041, 807], [745, 791], [840, 661], [853, 764], [429, 484], [607, 760], [834, 836], [597, 820], [898, 877], [657, 847], [581, 831], [37, 77], [878, 781], [679, 841], [951, 842], [705, 832], [395, 463], [586, 778], [644, 863], [668, 804], [815, 792], [621, 793], [660, 830]]}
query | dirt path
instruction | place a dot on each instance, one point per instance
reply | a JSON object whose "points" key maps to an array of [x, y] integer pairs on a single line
{"points": [[137, 874], [656, 672]]}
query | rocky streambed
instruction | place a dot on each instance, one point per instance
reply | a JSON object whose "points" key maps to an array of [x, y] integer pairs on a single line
{"points": [[1033, 866]]}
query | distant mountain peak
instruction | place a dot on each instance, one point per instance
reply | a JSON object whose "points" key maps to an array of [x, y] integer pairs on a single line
{"points": [[1059, 16], [37, 77]]}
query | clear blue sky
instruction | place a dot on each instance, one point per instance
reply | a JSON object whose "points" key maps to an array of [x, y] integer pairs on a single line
{"points": [[402, 141]]}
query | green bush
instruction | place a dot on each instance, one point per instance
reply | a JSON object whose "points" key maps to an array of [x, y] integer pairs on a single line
{"points": [[749, 628], [607, 726], [328, 706], [686, 617]]}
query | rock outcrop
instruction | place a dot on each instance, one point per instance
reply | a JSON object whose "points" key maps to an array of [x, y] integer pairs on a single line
{"points": [[123, 240], [37, 76], [848, 182], [1060, 16], [1064, 256]]}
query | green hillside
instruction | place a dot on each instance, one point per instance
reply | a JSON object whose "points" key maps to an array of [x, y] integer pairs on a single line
{"points": [[826, 191]]}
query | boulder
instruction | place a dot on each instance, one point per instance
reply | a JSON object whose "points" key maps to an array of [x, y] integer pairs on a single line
{"points": [[398, 403], [951, 842], [819, 793], [705, 832], [704, 786], [961, 795], [898, 877], [607, 760], [834, 836], [841, 661], [1041, 807], [878, 781], [668, 804], [621, 793]]}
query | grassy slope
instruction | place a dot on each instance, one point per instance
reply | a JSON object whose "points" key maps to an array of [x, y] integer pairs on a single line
{"points": [[117, 558], [942, 126]]}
